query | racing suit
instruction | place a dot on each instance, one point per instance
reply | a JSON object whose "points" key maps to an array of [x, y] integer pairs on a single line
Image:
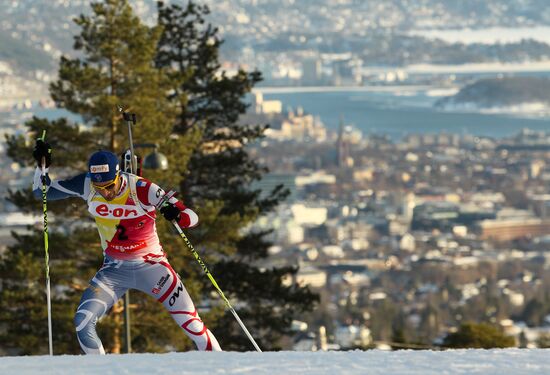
{"points": [[133, 256]]}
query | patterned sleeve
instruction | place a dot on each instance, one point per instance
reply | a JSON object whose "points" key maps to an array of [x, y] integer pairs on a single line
{"points": [[150, 194], [59, 189]]}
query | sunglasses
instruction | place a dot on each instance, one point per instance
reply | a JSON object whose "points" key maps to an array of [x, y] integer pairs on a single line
{"points": [[109, 186]]}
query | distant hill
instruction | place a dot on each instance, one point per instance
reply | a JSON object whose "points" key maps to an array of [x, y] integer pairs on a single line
{"points": [[23, 57], [500, 92]]}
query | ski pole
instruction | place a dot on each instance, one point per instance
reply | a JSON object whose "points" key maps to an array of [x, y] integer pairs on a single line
{"points": [[220, 292], [191, 248], [46, 254], [130, 119]]}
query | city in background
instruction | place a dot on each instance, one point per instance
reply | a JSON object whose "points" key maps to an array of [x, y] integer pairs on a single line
{"points": [[412, 135]]}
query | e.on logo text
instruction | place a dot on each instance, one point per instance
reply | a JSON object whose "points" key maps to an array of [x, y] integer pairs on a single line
{"points": [[113, 211]]}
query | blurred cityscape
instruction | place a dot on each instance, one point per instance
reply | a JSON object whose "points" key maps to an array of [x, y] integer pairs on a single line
{"points": [[403, 235], [430, 231]]}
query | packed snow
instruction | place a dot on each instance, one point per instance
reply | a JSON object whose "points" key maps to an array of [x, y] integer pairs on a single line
{"points": [[372, 362]]}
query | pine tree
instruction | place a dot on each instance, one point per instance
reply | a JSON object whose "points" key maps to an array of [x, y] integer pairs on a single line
{"points": [[473, 335], [220, 175], [121, 62]]}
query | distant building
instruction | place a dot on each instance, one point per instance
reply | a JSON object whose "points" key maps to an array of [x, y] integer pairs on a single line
{"points": [[435, 214], [363, 174], [262, 106], [408, 205], [352, 336], [309, 215], [312, 277], [299, 127], [311, 71], [540, 204], [333, 251], [509, 229], [343, 148], [347, 72], [407, 242]]}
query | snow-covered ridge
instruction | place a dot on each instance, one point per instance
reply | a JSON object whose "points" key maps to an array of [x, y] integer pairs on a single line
{"points": [[498, 361], [525, 96], [529, 110], [490, 35]]}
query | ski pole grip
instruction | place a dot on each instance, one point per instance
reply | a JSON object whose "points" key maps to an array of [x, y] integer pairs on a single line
{"points": [[43, 161], [129, 117], [165, 198]]}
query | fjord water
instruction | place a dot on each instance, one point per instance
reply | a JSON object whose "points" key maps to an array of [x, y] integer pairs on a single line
{"points": [[394, 111], [400, 112]]}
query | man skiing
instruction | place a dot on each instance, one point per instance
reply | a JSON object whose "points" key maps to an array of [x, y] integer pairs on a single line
{"points": [[123, 206]]}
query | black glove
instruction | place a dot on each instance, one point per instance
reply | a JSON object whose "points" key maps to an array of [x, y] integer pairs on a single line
{"points": [[42, 150], [170, 212]]}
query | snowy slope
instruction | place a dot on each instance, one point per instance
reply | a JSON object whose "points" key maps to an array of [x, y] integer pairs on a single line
{"points": [[501, 362]]}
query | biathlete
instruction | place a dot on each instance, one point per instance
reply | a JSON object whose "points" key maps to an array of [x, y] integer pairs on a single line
{"points": [[123, 206]]}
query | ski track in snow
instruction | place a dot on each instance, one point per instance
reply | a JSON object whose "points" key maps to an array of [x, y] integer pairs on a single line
{"points": [[375, 362]]}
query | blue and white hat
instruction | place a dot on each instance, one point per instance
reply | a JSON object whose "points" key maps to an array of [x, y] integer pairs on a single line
{"points": [[103, 166]]}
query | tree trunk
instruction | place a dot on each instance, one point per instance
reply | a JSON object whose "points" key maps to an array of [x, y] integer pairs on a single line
{"points": [[117, 311]]}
